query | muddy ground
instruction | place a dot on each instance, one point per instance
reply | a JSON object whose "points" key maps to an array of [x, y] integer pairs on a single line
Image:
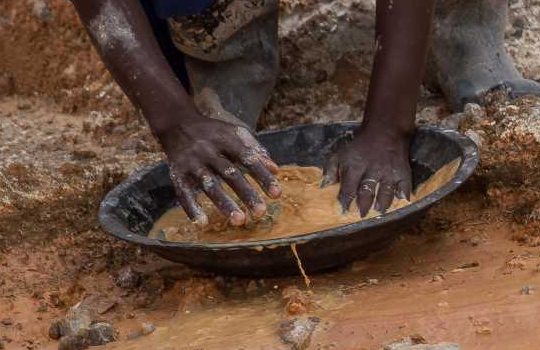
{"points": [[469, 274]]}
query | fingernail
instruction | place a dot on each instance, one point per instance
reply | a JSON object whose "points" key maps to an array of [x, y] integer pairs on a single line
{"points": [[273, 167], [326, 181], [344, 207], [201, 220], [259, 210], [363, 212], [274, 191], [402, 195], [237, 218]]}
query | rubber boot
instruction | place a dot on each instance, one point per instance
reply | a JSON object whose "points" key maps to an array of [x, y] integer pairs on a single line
{"points": [[232, 57], [468, 56]]}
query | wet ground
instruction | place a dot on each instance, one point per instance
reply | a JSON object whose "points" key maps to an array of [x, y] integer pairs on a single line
{"points": [[469, 274]]}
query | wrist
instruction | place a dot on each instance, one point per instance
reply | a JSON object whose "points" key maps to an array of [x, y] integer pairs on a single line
{"points": [[387, 130], [167, 119]]}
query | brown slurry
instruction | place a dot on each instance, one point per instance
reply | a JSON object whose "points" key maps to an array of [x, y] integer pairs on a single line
{"points": [[303, 208]]}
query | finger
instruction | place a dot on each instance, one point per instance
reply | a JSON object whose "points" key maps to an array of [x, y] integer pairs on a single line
{"points": [[404, 189], [213, 190], [269, 164], [188, 200], [331, 171], [264, 178], [349, 184], [366, 194], [385, 196], [255, 151], [236, 180]]}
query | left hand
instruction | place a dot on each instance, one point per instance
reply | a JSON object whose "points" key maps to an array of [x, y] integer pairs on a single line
{"points": [[373, 166]]}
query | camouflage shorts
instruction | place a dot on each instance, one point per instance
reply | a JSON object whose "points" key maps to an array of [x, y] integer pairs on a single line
{"points": [[207, 36]]}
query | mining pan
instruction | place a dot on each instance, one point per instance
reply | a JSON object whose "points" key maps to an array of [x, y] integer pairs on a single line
{"points": [[129, 211]]}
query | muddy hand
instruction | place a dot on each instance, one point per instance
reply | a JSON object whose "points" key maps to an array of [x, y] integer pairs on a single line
{"points": [[372, 169], [204, 152]]}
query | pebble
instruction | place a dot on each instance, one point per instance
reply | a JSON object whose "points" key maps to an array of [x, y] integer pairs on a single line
{"points": [[474, 111], [373, 281], [95, 335], [146, 329], [483, 331], [527, 290], [475, 241], [452, 121], [128, 278], [408, 344], [77, 318], [297, 332], [437, 278], [42, 10], [469, 265]]}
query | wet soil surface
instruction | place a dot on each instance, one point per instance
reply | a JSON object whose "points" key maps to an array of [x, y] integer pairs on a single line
{"points": [[468, 274]]}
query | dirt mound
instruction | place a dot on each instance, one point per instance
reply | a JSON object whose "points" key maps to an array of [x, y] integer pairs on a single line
{"points": [[45, 51]]}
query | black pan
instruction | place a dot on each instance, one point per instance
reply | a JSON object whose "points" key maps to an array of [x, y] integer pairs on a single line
{"points": [[129, 211]]}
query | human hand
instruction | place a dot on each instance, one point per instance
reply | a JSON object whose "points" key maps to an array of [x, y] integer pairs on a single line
{"points": [[372, 167], [202, 152]]}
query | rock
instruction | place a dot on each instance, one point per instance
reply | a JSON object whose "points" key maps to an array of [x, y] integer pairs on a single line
{"points": [[474, 111], [483, 330], [475, 241], [453, 121], [298, 332], [100, 334], [413, 343], [100, 304], [429, 115], [95, 335], [6, 321], [297, 300], [78, 317], [72, 343], [146, 329], [42, 10], [55, 330], [56, 300], [527, 290], [128, 278], [437, 278], [372, 281]]}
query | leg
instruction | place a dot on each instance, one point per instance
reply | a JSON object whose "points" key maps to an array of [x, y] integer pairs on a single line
{"points": [[231, 57], [468, 53]]}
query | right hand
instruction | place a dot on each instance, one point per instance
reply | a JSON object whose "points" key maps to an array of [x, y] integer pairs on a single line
{"points": [[202, 152]]}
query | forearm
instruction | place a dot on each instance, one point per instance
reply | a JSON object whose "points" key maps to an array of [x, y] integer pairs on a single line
{"points": [[123, 37], [403, 31]]}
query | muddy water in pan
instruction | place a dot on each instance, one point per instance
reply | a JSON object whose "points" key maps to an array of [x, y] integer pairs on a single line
{"points": [[303, 208]]}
